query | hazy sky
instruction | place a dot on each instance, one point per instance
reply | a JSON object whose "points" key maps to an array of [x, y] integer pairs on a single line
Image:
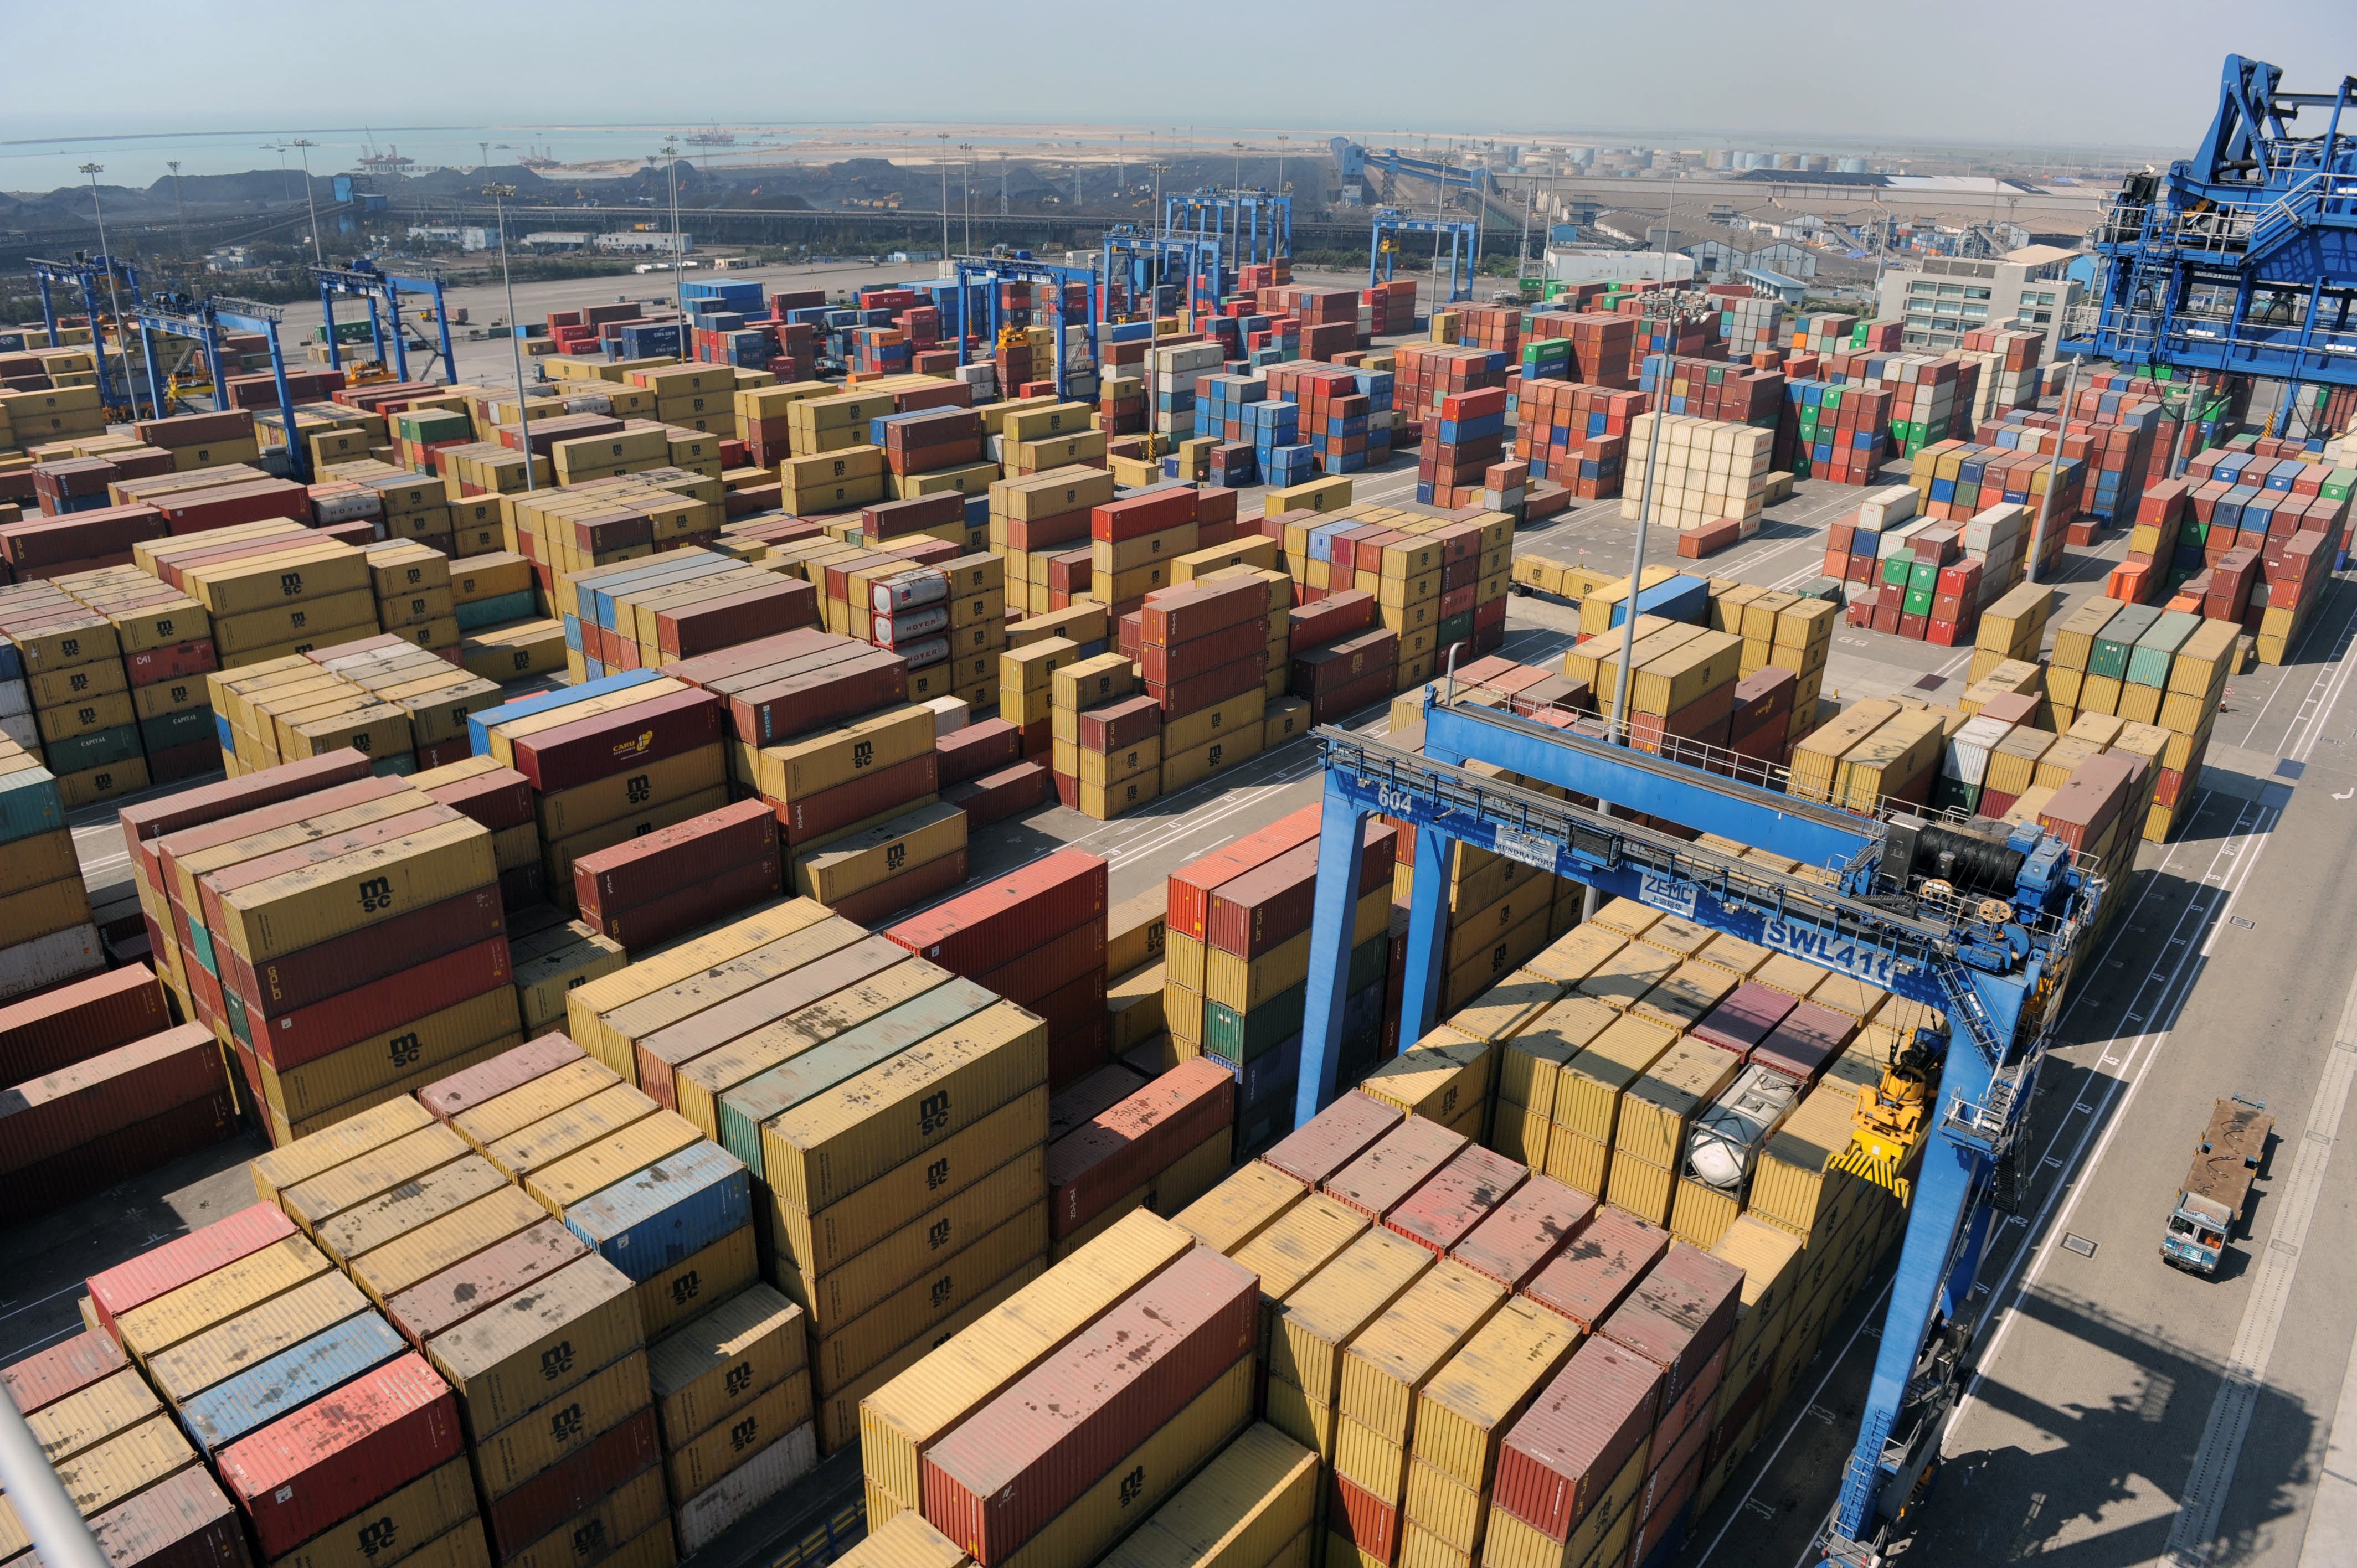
{"points": [[2023, 72]]}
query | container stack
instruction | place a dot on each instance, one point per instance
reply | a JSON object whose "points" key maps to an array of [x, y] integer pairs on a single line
{"points": [[1204, 651], [637, 1186], [327, 1431], [1709, 471], [1035, 936], [78, 715], [1040, 515], [607, 762], [1117, 1146], [1106, 738], [46, 934], [166, 649], [128, 1471], [103, 1089]]}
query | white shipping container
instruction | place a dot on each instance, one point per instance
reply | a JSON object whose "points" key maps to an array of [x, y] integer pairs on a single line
{"points": [[16, 698], [950, 714], [1967, 756], [735, 1496], [47, 961], [25, 730]]}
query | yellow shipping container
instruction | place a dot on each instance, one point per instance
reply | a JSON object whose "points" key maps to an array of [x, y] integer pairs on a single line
{"points": [[428, 1510], [1322, 1319], [608, 1397], [253, 1336], [224, 1293], [497, 1362], [297, 1162], [704, 1372], [428, 1250], [390, 1214], [1588, 1089], [1240, 1511], [312, 1202]]}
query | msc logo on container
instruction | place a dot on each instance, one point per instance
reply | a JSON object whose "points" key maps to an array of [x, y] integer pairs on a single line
{"points": [[934, 1113], [556, 1360], [376, 893], [378, 1535], [405, 1050], [290, 583], [566, 1424], [686, 1288], [740, 1378]]}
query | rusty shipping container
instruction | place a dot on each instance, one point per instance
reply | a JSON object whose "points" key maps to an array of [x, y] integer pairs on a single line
{"points": [[1313, 1152]]}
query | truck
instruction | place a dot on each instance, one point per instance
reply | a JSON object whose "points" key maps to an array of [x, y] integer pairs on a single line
{"points": [[2217, 1190]]}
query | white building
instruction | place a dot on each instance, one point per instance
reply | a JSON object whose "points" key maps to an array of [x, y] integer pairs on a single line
{"points": [[1580, 263], [553, 239], [466, 238], [644, 241], [1950, 296]]}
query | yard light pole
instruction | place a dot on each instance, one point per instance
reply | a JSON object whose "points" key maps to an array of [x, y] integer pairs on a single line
{"points": [[499, 195], [303, 146]]}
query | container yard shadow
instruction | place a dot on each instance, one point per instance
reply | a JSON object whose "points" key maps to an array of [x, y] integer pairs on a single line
{"points": [[50, 1256], [2128, 1456]]}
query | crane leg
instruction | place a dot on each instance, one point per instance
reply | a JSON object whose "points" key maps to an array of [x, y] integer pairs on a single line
{"points": [[1340, 833]]}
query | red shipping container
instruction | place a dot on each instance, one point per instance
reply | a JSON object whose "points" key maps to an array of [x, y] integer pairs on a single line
{"points": [[75, 1105], [1680, 1314], [1587, 1279], [1568, 1448], [1193, 610], [1018, 1461], [683, 909], [1197, 692], [869, 906], [326, 969], [997, 923], [179, 660], [807, 818], [813, 699], [1271, 903], [1748, 1016], [1051, 965], [45, 1376], [1805, 1040], [1117, 726], [1127, 1143], [1389, 1172], [708, 624], [571, 1486], [593, 748], [1150, 511], [994, 797], [464, 1090], [489, 1277], [149, 820], [715, 669], [1334, 617], [1467, 1190], [671, 859], [182, 1521], [1166, 663], [1364, 1519], [1192, 885], [76, 1022], [219, 506], [1524, 1234], [978, 748], [499, 799], [341, 1452], [291, 1039]]}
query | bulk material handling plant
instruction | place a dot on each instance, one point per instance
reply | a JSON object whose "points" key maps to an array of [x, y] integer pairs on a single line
{"points": [[1980, 921], [2243, 259]]}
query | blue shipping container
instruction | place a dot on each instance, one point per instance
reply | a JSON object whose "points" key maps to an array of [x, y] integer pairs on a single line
{"points": [[667, 1213]]}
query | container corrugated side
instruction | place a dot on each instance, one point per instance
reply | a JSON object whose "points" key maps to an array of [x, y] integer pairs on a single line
{"points": [[107, 1472], [221, 1352], [906, 1541], [289, 1380], [1138, 1482], [662, 1215], [1320, 1321], [538, 1343], [395, 1526], [328, 1460], [607, 1531], [565, 1425], [815, 1243], [177, 1263], [700, 1463], [182, 1521], [1021, 1459], [463, 1091], [445, 1242], [1577, 1435], [1143, 1135], [1525, 1232], [824, 1148], [379, 1170], [1247, 1202], [557, 1494], [283, 1265], [91, 1416], [901, 1419], [1462, 1415], [912, 1314], [1257, 1494], [714, 1365], [48, 1376], [509, 1112], [770, 1471], [989, 927], [1390, 1362], [1330, 1140], [834, 1298], [390, 1216], [483, 1280], [299, 1162]]}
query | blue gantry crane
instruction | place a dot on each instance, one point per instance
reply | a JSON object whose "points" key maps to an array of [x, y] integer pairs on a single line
{"points": [[989, 271], [1980, 921], [2243, 259], [206, 321], [1246, 228], [1139, 261], [383, 291], [1464, 248], [90, 274]]}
